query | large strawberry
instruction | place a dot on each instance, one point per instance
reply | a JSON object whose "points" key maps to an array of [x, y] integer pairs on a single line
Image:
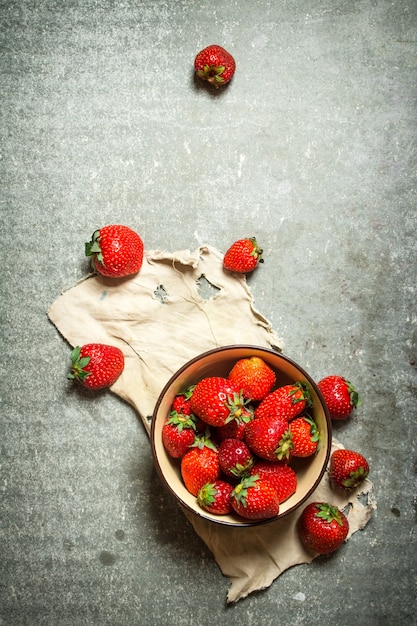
{"points": [[348, 469], [243, 256], [235, 458], [216, 497], [96, 365], [255, 499], [200, 465], [340, 396], [215, 65], [255, 377], [305, 436], [116, 251], [269, 438], [217, 401], [281, 476], [322, 527], [178, 434], [287, 401]]}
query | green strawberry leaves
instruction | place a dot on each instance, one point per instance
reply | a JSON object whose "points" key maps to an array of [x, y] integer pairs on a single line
{"points": [[78, 365]]}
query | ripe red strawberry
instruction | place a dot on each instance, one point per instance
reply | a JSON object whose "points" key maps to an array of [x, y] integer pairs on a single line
{"points": [[243, 256], [181, 403], [215, 65], [269, 438], [287, 401], [200, 465], [348, 469], [255, 499], [116, 251], [216, 497], [254, 377], [233, 430], [178, 434], [217, 401], [281, 476], [340, 396], [322, 527], [96, 365], [305, 436], [235, 458]]}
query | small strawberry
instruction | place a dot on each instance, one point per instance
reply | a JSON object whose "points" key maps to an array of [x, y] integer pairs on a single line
{"points": [[340, 396], [305, 436], [96, 365], [181, 403], [200, 465], [322, 527], [116, 251], [217, 401], [234, 429], [216, 497], [269, 438], [215, 65], [254, 377], [281, 476], [287, 401], [243, 256], [255, 499], [235, 458], [348, 469], [178, 434]]}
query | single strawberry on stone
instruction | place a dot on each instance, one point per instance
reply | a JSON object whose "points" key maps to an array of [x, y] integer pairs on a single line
{"points": [[340, 396], [322, 527], [243, 256], [215, 65], [216, 497], [116, 251], [287, 401], [200, 465], [281, 476], [305, 436], [255, 377], [269, 438], [348, 469], [235, 458], [96, 365], [255, 499], [178, 434], [217, 401]]}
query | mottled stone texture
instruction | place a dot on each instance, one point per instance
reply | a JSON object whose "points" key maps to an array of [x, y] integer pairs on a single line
{"points": [[312, 149]]}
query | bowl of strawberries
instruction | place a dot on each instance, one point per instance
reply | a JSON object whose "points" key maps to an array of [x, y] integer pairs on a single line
{"points": [[241, 435]]}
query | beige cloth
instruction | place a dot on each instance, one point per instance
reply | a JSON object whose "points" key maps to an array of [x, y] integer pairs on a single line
{"points": [[179, 305]]}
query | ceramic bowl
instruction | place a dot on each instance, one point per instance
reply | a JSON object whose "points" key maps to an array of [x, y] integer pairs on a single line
{"points": [[219, 362]]}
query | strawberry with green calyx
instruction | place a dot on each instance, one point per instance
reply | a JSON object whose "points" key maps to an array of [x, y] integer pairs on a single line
{"points": [[235, 458], [215, 65], [255, 499], [348, 469], [280, 475], [181, 403], [96, 365], [255, 377], [116, 251], [217, 401], [235, 429], [322, 527], [200, 465], [243, 256], [305, 436], [340, 396], [178, 434], [287, 401], [269, 438], [215, 497]]}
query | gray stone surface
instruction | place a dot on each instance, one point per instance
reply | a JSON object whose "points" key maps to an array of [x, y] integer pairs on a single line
{"points": [[312, 149]]}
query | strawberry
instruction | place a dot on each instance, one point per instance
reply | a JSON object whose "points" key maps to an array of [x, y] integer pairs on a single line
{"points": [[322, 527], [305, 436], [216, 497], [254, 377], [269, 438], [181, 403], [178, 434], [255, 499], [340, 396], [233, 430], [281, 476], [96, 365], [287, 401], [218, 401], [116, 251], [243, 256], [200, 465], [215, 65], [235, 458], [348, 469]]}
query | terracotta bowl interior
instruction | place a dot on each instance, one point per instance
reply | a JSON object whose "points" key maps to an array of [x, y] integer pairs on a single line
{"points": [[219, 362]]}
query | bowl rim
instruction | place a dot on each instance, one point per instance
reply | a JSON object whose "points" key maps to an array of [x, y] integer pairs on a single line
{"points": [[275, 353]]}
